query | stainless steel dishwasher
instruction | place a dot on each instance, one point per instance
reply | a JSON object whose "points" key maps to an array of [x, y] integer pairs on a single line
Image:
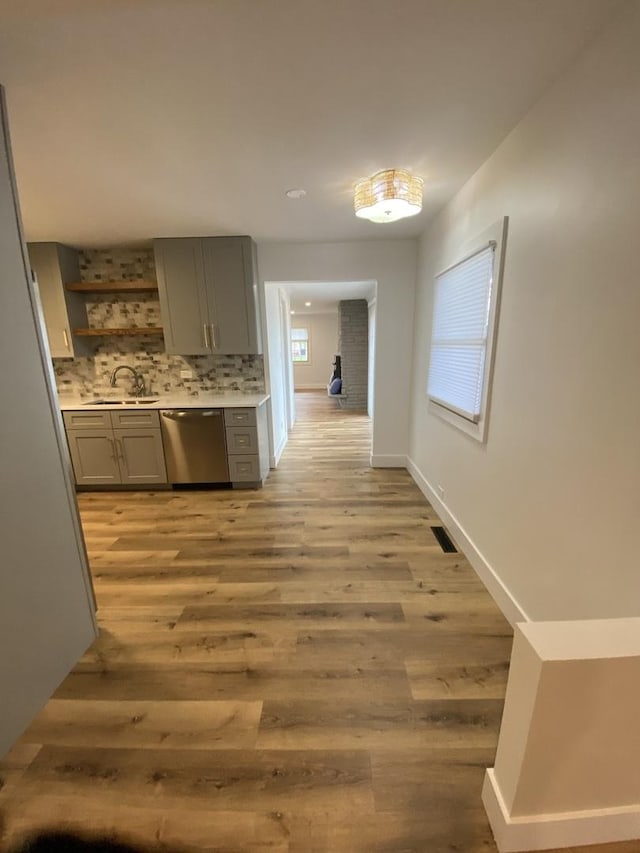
{"points": [[194, 445]]}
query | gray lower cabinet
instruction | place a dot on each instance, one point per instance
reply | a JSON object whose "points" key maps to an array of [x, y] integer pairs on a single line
{"points": [[140, 455], [114, 447], [208, 295], [105, 451], [93, 455], [247, 446]]}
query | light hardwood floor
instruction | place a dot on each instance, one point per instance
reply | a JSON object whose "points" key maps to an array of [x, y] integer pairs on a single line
{"points": [[299, 669]]}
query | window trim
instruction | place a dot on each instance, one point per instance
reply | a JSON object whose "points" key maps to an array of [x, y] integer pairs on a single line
{"points": [[495, 234]]}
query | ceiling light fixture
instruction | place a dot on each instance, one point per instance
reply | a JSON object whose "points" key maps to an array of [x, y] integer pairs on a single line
{"points": [[388, 195], [307, 305]]}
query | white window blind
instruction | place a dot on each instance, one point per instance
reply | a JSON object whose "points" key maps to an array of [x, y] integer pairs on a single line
{"points": [[460, 331]]}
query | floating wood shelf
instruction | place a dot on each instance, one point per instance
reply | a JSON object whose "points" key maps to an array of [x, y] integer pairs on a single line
{"points": [[134, 330], [112, 286]]}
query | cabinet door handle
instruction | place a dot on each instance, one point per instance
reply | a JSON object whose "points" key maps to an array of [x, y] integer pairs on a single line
{"points": [[205, 335], [214, 337], [66, 338], [113, 449], [120, 450]]}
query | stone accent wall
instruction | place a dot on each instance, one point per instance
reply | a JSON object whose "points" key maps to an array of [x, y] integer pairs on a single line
{"points": [[89, 376], [354, 349]]}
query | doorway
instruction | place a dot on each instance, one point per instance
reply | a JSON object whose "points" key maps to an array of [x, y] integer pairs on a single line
{"points": [[311, 309]]}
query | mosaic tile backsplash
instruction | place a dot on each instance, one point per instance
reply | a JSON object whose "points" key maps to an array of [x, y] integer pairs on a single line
{"points": [[117, 265], [108, 311], [89, 376], [111, 312]]}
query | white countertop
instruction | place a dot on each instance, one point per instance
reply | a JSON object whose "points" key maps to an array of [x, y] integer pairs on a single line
{"points": [[168, 401]]}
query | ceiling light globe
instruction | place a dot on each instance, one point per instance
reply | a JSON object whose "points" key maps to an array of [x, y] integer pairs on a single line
{"points": [[388, 195]]}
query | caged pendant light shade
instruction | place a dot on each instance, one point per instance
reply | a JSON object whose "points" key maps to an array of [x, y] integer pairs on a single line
{"points": [[388, 196]]}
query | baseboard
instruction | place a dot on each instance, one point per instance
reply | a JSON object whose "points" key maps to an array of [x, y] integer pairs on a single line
{"points": [[549, 831], [273, 460], [510, 607], [380, 460]]}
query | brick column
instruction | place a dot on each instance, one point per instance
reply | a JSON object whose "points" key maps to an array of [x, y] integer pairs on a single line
{"points": [[354, 349]]}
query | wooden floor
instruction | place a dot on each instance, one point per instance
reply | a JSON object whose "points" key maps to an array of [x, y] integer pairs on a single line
{"points": [[295, 669]]}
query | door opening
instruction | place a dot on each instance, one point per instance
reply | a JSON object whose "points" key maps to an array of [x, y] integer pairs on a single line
{"points": [[307, 325]]}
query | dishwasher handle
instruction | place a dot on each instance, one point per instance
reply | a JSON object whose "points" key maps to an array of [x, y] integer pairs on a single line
{"points": [[190, 414]]}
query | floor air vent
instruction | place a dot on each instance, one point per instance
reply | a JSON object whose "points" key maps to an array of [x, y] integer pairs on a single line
{"points": [[444, 540]]}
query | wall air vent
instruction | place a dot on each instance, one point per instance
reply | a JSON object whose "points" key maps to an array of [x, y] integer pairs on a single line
{"points": [[444, 540]]}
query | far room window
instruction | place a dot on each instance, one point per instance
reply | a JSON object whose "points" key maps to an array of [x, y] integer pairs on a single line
{"points": [[300, 345], [464, 324]]}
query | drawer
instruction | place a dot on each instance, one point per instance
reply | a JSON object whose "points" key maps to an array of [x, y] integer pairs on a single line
{"points": [[86, 420], [122, 418], [242, 439], [239, 417], [244, 469]]}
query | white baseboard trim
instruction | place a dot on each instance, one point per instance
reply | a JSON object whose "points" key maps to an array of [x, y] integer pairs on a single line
{"points": [[380, 460], [510, 607], [564, 829], [273, 460]]}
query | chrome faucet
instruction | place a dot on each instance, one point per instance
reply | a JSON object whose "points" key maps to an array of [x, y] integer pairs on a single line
{"points": [[139, 388]]}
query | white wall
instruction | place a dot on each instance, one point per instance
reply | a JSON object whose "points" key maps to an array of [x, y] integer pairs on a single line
{"points": [[551, 501], [392, 263], [372, 357], [323, 346], [46, 611], [276, 368]]}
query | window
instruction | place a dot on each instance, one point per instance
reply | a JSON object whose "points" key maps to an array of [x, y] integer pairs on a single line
{"points": [[300, 345], [464, 325]]}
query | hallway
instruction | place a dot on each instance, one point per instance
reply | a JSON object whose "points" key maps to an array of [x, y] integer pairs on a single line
{"points": [[295, 669]]}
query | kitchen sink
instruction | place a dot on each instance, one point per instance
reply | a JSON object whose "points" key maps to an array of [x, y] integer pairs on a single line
{"points": [[133, 402]]}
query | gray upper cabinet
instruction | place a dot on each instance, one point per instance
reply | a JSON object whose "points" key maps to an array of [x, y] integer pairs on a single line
{"points": [[54, 266], [231, 294], [208, 295], [183, 295]]}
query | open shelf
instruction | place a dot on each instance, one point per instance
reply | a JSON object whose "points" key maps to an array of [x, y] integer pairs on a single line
{"points": [[112, 286], [134, 330]]}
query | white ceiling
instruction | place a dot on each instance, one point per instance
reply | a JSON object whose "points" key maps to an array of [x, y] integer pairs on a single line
{"points": [[192, 117], [324, 296]]}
